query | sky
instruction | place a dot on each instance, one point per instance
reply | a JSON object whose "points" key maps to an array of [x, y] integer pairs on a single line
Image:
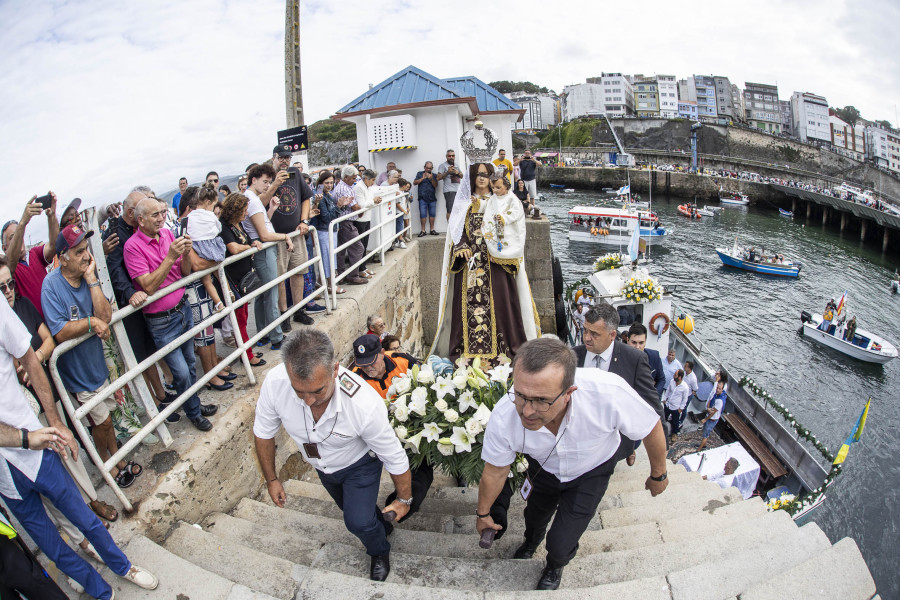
{"points": [[98, 97]]}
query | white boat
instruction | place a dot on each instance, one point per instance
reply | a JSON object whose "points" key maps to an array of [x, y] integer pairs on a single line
{"points": [[864, 346], [706, 212], [733, 198], [613, 226], [569, 190]]}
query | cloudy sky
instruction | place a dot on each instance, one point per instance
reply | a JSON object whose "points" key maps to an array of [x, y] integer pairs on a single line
{"points": [[97, 97]]}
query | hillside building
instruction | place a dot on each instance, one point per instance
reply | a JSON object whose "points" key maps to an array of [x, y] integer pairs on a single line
{"points": [[809, 114], [761, 107]]}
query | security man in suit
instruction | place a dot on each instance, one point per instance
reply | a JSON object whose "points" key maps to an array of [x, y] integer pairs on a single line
{"points": [[637, 338], [602, 350]]}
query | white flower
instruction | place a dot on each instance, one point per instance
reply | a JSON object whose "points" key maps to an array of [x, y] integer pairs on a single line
{"points": [[474, 427], [431, 431], [419, 401], [442, 387], [401, 413], [400, 430], [400, 400], [522, 465], [461, 381], [391, 391], [461, 439], [501, 374], [467, 401], [426, 375], [441, 405], [451, 415], [413, 442], [483, 414], [445, 446], [402, 384]]}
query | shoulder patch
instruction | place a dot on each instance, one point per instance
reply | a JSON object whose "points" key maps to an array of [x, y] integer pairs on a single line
{"points": [[347, 384]]}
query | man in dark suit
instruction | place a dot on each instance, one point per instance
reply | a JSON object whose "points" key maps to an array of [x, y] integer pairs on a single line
{"points": [[637, 338], [602, 350]]}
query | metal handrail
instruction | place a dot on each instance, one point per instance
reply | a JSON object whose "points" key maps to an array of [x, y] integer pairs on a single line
{"points": [[384, 208], [157, 417]]}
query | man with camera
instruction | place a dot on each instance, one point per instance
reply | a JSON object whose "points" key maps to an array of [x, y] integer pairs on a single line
{"points": [[29, 269], [427, 182], [451, 176]]}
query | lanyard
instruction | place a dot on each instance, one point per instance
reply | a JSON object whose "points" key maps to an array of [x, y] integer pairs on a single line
{"points": [[526, 487]]}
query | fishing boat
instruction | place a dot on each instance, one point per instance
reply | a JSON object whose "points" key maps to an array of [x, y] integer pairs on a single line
{"points": [[786, 213], [689, 210], [757, 261], [557, 186], [786, 462], [613, 226], [733, 198], [856, 343]]}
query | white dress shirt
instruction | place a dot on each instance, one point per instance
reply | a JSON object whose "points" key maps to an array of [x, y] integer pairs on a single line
{"points": [[691, 380], [676, 397], [590, 359], [364, 198], [602, 406], [354, 422], [669, 368], [14, 408]]}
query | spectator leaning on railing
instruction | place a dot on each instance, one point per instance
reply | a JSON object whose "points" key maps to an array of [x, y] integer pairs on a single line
{"points": [[346, 201], [29, 268], [155, 259]]}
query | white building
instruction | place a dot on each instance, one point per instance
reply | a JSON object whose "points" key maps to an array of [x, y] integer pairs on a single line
{"points": [[883, 147], [542, 111], [668, 96], [809, 113], [582, 100], [847, 140]]}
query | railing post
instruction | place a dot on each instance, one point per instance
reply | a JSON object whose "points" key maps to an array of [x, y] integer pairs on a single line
{"points": [[238, 337]]}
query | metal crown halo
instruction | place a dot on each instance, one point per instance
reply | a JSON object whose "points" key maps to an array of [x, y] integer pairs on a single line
{"points": [[479, 144]]}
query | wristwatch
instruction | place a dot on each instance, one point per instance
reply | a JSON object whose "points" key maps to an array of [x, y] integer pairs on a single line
{"points": [[660, 478], [305, 221], [406, 501]]}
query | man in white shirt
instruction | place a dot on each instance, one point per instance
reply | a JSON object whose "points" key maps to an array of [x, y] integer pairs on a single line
{"points": [[567, 422], [675, 402], [690, 378], [27, 473], [670, 365], [341, 425]]}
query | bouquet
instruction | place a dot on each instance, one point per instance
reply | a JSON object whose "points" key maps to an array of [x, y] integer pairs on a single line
{"points": [[440, 413], [642, 290], [608, 261]]}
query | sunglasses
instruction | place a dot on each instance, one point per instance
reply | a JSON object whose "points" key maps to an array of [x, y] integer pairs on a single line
{"points": [[9, 285], [213, 181]]}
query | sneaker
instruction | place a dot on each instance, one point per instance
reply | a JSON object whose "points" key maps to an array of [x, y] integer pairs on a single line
{"points": [[276, 346], [423, 234], [141, 578], [263, 341], [313, 308], [301, 317], [173, 418], [401, 245], [286, 325]]}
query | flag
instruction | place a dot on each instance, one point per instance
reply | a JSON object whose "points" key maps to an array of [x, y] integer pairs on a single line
{"points": [[634, 246], [840, 305], [854, 435], [625, 189]]}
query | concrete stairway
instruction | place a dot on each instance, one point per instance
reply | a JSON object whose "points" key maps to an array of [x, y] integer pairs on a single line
{"points": [[695, 542]]}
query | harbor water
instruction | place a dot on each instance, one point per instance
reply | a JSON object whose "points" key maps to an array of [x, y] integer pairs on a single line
{"points": [[752, 324]]}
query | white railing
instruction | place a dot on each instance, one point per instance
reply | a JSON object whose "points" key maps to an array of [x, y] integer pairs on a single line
{"points": [[388, 216], [135, 369]]}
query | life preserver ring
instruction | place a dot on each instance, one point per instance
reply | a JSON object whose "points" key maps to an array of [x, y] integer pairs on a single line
{"points": [[653, 328]]}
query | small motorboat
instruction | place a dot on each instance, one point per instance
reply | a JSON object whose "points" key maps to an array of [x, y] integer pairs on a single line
{"points": [[733, 198], [861, 345], [786, 213], [689, 210], [895, 286], [713, 209], [706, 212], [557, 186], [569, 190], [757, 261]]}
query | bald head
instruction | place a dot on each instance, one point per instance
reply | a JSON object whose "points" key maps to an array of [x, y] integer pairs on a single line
{"points": [[151, 214], [129, 206]]}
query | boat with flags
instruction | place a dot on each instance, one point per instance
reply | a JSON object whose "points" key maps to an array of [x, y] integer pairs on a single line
{"points": [[833, 329], [780, 460], [613, 226], [758, 261]]}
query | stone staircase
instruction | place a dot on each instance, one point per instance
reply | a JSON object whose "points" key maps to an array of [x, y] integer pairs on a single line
{"points": [[696, 541]]}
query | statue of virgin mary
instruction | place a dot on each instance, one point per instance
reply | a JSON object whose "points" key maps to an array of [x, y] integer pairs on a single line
{"points": [[486, 308]]}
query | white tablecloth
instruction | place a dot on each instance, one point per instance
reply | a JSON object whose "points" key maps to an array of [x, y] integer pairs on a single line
{"points": [[744, 479]]}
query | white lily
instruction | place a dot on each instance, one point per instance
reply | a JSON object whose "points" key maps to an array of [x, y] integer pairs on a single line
{"points": [[426, 374], [445, 446], [419, 401], [413, 442], [443, 387], [461, 439], [461, 381], [474, 427], [401, 432], [501, 374], [431, 432], [402, 384], [483, 414], [451, 415], [522, 465], [466, 401]]}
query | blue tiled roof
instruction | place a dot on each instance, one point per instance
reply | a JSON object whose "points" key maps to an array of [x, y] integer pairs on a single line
{"points": [[406, 87], [488, 98], [412, 85]]}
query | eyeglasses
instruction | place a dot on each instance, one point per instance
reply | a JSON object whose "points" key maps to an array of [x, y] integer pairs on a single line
{"points": [[537, 404], [213, 181], [8, 285]]}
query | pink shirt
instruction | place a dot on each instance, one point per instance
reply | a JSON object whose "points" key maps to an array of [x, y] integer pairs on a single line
{"points": [[30, 275], [144, 255]]}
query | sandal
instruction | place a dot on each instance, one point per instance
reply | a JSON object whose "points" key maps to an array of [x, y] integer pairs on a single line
{"points": [[131, 466], [219, 307], [103, 510], [340, 291], [124, 479]]}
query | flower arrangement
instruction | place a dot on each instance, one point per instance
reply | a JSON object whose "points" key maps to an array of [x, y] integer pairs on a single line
{"points": [[440, 415], [642, 290], [789, 502], [608, 262]]}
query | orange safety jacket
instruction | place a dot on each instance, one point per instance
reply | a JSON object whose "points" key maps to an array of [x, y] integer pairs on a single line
{"points": [[395, 364]]}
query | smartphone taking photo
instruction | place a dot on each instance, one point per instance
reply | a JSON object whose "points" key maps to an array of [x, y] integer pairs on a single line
{"points": [[44, 201]]}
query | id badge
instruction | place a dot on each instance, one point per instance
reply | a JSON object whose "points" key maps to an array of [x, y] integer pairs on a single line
{"points": [[525, 490], [311, 450]]}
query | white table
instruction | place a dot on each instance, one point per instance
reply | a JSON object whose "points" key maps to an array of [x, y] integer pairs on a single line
{"points": [[744, 478]]}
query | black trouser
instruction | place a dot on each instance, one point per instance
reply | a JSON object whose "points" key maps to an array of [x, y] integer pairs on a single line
{"points": [[574, 503], [363, 228], [422, 476], [19, 573]]}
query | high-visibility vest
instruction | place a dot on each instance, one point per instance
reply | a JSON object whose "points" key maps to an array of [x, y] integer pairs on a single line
{"points": [[401, 364]]}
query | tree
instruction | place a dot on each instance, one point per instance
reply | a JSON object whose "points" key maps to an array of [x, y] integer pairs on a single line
{"points": [[848, 114], [507, 87], [886, 124]]}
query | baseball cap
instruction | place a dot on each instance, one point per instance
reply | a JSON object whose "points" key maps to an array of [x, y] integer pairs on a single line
{"points": [[5, 227], [74, 204], [366, 349], [71, 236], [281, 151]]}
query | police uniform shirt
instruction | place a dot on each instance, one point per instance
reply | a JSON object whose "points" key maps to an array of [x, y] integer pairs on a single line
{"points": [[602, 406], [354, 422]]}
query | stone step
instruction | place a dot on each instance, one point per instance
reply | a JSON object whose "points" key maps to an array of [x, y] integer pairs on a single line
{"points": [[747, 540], [328, 585], [259, 572], [838, 573], [709, 497], [649, 588]]}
